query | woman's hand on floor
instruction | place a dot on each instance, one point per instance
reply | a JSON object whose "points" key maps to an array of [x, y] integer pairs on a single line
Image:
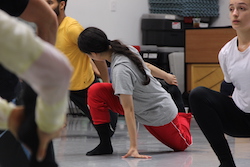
{"points": [[134, 153]]}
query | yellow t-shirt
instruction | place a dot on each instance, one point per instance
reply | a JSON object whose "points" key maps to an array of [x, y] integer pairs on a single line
{"points": [[67, 37]]}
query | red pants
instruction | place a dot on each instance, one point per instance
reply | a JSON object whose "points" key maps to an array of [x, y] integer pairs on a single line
{"points": [[175, 134]]}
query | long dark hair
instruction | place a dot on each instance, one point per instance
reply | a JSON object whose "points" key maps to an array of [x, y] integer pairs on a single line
{"points": [[95, 40]]}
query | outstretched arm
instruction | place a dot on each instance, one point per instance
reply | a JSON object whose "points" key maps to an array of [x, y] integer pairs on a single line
{"points": [[128, 107], [95, 69], [103, 69], [158, 73]]}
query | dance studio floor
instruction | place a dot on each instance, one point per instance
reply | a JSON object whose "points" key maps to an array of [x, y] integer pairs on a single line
{"points": [[80, 137]]}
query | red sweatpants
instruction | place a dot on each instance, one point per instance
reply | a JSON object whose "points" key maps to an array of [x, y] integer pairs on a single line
{"points": [[175, 134]]}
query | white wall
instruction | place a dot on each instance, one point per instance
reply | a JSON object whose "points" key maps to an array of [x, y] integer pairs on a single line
{"points": [[123, 24], [223, 19]]}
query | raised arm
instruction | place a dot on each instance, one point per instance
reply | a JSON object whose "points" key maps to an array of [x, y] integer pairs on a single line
{"points": [[103, 69]]}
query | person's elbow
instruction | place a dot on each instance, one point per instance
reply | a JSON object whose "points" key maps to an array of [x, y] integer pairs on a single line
{"points": [[149, 66]]}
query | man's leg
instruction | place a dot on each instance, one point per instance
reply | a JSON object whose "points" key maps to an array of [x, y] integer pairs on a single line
{"points": [[101, 100], [28, 131], [11, 152]]}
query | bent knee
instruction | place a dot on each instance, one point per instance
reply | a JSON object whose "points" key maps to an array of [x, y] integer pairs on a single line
{"points": [[98, 88], [94, 88], [198, 92], [182, 147], [197, 97]]}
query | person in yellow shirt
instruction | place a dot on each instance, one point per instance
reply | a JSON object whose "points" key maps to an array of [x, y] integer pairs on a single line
{"points": [[83, 76]]}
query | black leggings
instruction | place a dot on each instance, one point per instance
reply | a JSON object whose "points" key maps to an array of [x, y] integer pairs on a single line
{"points": [[175, 93], [217, 114], [27, 133]]}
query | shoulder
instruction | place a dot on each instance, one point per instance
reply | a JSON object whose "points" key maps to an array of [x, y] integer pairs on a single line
{"points": [[230, 46], [120, 63], [71, 26], [69, 21], [227, 52], [118, 59]]}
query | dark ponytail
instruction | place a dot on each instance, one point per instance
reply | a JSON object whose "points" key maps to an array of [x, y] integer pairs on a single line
{"points": [[95, 40], [122, 49]]}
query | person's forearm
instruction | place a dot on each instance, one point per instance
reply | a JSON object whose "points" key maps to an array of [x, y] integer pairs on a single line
{"points": [[95, 69], [127, 105], [156, 72], [131, 125], [39, 12], [103, 69]]}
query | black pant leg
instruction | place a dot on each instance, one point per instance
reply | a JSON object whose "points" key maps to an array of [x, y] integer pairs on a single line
{"points": [[11, 152], [175, 93], [80, 100], [28, 131], [217, 114], [226, 88]]}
